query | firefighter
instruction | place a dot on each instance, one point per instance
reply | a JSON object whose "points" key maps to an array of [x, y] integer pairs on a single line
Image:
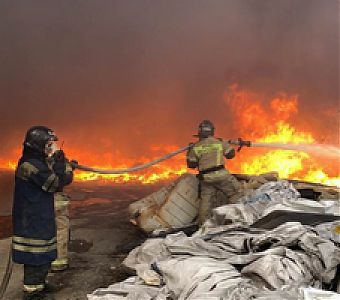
{"points": [[62, 219], [34, 230], [207, 155]]}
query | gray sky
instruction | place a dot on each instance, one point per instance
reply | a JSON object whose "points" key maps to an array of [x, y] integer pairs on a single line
{"points": [[126, 74]]}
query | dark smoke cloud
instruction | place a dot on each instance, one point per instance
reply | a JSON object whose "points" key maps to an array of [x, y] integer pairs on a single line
{"points": [[131, 73]]}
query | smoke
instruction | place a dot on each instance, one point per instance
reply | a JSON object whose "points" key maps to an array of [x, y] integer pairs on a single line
{"points": [[125, 75]]}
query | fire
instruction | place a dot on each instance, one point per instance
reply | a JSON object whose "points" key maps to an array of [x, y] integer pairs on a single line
{"points": [[271, 125], [165, 171], [157, 174], [285, 162], [254, 120], [5, 164]]}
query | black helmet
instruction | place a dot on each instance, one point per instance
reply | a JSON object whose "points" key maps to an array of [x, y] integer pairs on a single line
{"points": [[38, 136], [206, 128]]}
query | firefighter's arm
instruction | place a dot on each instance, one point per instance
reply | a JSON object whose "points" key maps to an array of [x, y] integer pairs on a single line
{"points": [[39, 174], [228, 151], [192, 161]]}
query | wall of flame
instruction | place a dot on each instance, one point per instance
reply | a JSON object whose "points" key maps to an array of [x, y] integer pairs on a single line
{"points": [[253, 120]]}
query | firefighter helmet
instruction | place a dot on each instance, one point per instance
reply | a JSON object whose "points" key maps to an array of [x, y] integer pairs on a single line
{"points": [[206, 128], [37, 137]]}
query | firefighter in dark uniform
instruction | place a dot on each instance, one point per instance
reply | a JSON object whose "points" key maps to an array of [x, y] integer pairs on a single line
{"points": [[208, 156], [34, 229]]}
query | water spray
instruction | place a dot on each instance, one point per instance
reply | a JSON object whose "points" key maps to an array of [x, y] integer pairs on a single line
{"points": [[318, 149], [322, 150]]}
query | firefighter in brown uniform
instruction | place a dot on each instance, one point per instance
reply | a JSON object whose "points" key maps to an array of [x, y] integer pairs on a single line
{"points": [[208, 156], [34, 230], [61, 208], [62, 220]]}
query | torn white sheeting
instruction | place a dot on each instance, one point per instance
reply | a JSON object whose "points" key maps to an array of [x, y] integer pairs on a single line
{"points": [[130, 289], [280, 195], [298, 294], [195, 277], [229, 264], [330, 231], [235, 262], [273, 190], [316, 294]]}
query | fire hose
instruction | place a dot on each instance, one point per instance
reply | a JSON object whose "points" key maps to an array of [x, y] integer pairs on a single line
{"points": [[133, 169], [240, 143]]}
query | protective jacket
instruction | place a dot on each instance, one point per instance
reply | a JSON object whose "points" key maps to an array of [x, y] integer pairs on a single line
{"points": [[208, 156], [34, 230]]}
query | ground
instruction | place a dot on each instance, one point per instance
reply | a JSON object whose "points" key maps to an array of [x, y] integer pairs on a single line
{"points": [[101, 235]]}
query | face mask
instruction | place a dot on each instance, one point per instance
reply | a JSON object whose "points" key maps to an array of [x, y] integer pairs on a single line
{"points": [[51, 148]]}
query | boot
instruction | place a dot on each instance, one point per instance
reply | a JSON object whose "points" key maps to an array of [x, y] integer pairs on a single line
{"points": [[41, 295], [59, 268]]}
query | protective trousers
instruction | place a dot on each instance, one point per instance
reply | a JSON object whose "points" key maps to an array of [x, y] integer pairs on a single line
{"points": [[217, 193], [35, 277], [61, 205]]}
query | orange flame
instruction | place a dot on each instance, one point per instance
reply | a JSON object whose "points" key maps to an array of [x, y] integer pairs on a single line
{"points": [[255, 121], [168, 170], [273, 126], [5, 164]]}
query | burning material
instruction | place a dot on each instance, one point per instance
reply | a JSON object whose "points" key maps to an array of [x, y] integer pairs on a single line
{"points": [[295, 153], [154, 175], [271, 127], [293, 160]]}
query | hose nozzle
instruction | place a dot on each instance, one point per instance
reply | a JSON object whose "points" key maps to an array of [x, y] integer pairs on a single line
{"points": [[240, 142]]}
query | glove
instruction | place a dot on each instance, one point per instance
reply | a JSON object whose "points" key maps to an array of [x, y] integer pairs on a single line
{"points": [[73, 164], [59, 165], [59, 156]]}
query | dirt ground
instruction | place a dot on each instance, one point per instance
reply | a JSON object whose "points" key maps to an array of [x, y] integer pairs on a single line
{"points": [[101, 236]]}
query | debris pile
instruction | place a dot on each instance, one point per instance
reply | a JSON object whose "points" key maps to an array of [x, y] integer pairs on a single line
{"points": [[176, 205], [172, 206], [271, 197], [230, 258]]}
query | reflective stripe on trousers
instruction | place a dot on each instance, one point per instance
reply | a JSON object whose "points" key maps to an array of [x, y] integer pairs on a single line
{"points": [[30, 288], [30, 245], [59, 263]]}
